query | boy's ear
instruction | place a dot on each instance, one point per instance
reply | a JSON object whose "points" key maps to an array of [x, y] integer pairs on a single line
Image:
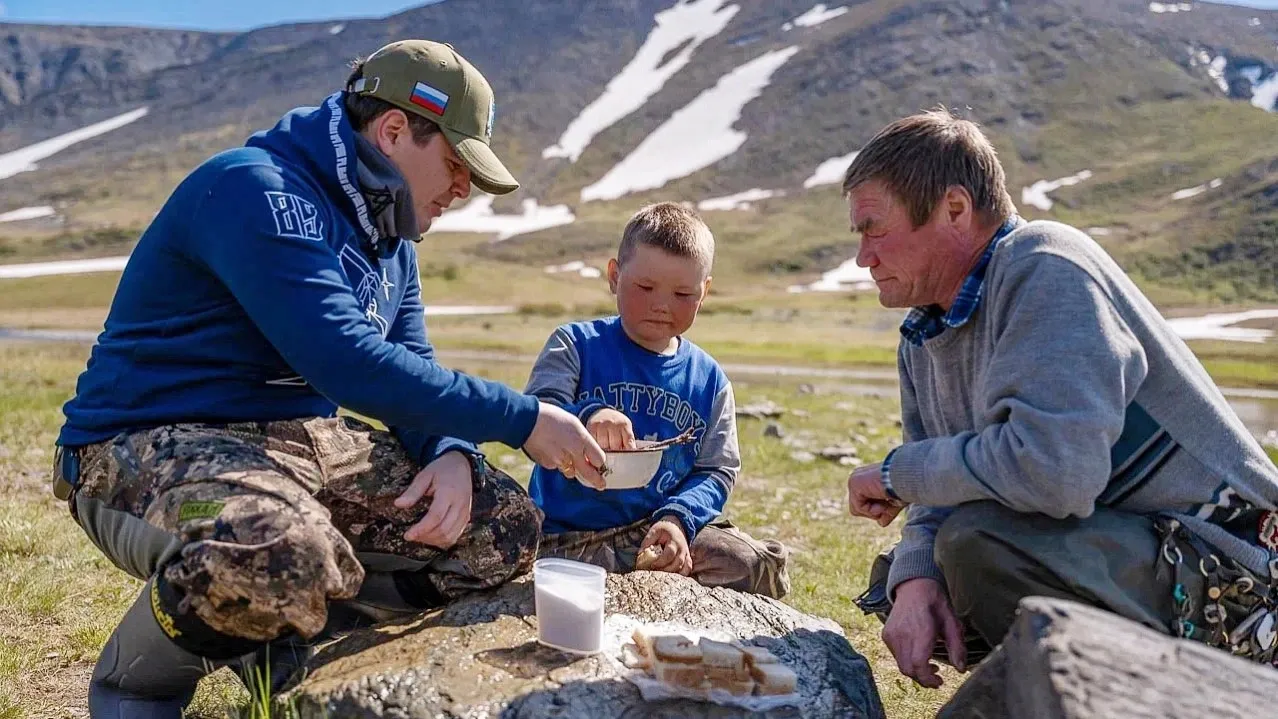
{"points": [[614, 270], [705, 288]]}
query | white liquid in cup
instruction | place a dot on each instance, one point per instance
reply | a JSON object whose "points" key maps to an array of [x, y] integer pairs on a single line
{"points": [[570, 604]]}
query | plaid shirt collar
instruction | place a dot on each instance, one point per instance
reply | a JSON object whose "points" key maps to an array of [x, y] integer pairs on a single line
{"points": [[924, 323]]}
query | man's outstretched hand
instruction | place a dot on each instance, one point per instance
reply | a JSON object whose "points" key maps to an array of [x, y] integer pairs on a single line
{"points": [[559, 441]]}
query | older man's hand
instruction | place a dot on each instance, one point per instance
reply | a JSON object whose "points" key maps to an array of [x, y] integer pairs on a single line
{"points": [[920, 614], [867, 497]]}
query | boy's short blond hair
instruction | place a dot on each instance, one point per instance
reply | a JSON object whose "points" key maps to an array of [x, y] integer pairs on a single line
{"points": [[672, 227]]}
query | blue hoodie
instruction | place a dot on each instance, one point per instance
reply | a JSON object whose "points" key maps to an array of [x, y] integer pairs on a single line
{"points": [[262, 291]]}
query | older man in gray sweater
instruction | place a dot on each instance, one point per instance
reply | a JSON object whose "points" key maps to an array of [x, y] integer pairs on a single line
{"points": [[1059, 439]]}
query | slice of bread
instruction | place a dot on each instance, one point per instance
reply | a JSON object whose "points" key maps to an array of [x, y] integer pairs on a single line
{"points": [[707, 664], [632, 659], [774, 679], [643, 642], [740, 687], [722, 655], [675, 649], [755, 656], [686, 676], [722, 676]]}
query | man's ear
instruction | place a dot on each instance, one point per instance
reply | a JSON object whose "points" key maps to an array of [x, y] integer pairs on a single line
{"points": [[960, 210], [389, 129], [614, 271]]}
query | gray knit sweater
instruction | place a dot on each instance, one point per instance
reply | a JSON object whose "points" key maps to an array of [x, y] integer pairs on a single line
{"points": [[1025, 405]]}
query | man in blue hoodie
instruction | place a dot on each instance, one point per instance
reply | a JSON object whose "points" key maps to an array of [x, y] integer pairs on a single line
{"points": [[202, 452]]}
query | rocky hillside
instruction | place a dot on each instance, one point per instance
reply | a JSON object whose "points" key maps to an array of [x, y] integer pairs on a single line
{"points": [[1142, 103]]}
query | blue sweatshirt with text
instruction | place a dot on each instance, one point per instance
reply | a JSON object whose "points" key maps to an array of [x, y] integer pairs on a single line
{"points": [[586, 366]]}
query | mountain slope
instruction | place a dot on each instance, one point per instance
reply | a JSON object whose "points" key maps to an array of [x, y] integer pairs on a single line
{"points": [[734, 95], [37, 61]]}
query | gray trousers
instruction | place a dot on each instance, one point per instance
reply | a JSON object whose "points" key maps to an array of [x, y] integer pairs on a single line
{"points": [[993, 556]]}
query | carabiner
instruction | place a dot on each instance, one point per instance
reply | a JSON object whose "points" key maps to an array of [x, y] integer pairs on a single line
{"points": [[1202, 565]]}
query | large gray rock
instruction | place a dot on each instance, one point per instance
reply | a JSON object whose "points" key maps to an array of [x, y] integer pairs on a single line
{"points": [[984, 694], [1064, 660], [479, 658]]}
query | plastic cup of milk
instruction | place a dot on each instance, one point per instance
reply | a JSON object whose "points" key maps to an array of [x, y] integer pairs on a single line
{"points": [[570, 604]]}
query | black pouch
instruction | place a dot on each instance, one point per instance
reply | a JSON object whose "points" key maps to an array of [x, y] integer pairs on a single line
{"points": [[66, 472], [874, 600]]}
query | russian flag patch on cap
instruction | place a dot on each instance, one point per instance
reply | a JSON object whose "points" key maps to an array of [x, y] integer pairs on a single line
{"points": [[430, 98]]}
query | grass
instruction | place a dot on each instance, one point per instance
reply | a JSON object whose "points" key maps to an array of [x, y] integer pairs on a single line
{"points": [[51, 629], [261, 703], [52, 626], [59, 597], [12, 663], [804, 505], [100, 242], [739, 326], [1222, 245]]}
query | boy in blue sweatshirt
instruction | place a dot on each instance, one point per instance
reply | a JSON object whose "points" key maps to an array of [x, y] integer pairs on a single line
{"points": [[635, 375], [202, 452]]}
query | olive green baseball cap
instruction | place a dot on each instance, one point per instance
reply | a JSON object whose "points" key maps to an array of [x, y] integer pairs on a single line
{"points": [[431, 80]]}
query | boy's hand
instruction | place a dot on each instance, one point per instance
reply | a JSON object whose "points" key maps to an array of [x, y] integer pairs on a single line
{"points": [[675, 555], [611, 429], [448, 482]]}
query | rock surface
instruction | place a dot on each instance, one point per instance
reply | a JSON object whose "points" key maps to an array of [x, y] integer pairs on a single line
{"points": [[983, 695], [479, 658], [1064, 660], [767, 409]]}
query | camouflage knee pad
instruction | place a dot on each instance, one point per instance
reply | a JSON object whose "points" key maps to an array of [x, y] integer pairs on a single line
{"points": [[260, 565], [258, 555]]}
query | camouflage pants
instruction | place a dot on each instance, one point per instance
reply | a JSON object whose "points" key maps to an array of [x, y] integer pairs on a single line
{"points": [[722, 555], [260, 525]]}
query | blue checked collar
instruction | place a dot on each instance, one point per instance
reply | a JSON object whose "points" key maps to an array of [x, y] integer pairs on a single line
{"points": [[924, 323]]}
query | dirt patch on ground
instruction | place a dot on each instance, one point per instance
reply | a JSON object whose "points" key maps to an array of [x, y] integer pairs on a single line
{"points": [[55, 691], [51, 683]]}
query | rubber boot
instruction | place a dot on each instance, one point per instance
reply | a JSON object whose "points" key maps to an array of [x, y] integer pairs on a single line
{"points": [[387, 596], [141, 673]]}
